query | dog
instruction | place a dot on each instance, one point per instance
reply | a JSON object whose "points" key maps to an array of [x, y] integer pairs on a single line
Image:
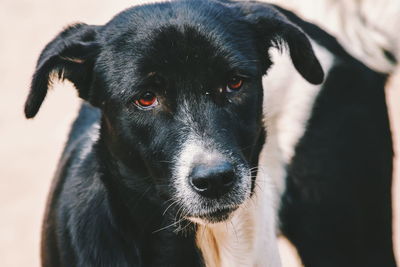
{"points": [[198, 142]]}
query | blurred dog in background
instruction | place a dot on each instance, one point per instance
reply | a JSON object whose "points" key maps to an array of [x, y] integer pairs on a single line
{"points": [[367, 29]]}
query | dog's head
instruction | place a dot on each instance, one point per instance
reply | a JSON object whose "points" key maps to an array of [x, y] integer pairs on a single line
{"points": [[179, 88]]}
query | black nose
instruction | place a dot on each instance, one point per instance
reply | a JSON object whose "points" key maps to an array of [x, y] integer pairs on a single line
{"points": [[212, 181]]}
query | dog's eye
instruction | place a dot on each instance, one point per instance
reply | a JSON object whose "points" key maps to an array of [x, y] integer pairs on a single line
{"points": [[234, 84], [147, 100]]}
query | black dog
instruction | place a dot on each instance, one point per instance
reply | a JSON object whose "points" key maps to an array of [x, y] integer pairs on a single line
{"points": [[162, 166]]}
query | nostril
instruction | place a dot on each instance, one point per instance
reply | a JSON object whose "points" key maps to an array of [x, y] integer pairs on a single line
{"points": [[200, 184]]}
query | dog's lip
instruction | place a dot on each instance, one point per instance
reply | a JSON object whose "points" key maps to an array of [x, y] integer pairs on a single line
{"points": [[217, 215], [218, 212]]}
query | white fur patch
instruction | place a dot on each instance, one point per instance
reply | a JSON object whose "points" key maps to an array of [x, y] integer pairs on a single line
{"points": [[288, 102]]}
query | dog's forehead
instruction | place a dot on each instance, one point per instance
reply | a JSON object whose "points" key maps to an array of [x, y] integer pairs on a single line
{"points": [[183, 37], [180, 49]]}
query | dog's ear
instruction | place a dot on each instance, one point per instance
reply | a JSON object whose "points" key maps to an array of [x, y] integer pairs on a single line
{"points": [[273, 29], [70, 55]]}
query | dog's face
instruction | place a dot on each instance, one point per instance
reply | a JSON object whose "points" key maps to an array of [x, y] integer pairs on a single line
{"points": [[179, 87]]}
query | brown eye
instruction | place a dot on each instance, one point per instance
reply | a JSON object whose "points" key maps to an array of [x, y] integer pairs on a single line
{"points": [[147, 100], [234, 84]]}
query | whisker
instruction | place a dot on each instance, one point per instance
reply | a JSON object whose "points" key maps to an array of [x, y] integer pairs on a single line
{"points": [[166, 227], [174, 202]]}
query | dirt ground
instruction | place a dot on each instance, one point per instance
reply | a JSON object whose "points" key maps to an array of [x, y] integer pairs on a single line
{"points": [[29, 150]]}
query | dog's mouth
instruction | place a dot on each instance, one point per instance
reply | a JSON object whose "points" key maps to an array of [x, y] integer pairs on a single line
{"points": [[214, 216]]}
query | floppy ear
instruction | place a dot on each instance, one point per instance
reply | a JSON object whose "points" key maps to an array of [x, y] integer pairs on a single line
{"points": [[70, 55], [274, 29]]}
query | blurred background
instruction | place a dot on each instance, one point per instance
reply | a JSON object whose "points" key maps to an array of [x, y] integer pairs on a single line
{"points": [[29, 150]]}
